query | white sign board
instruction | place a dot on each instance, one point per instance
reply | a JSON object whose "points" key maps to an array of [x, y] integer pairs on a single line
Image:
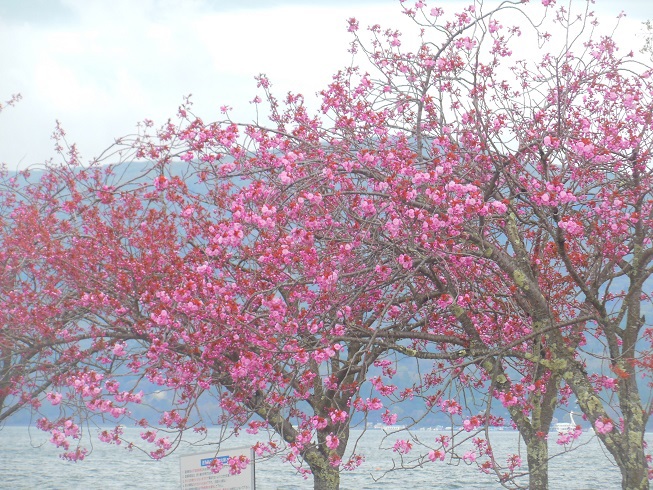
{"points": [[196, 471]]}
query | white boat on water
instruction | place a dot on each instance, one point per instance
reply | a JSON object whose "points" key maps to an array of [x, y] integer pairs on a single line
{"points": [[393, 428], [565, 427]]}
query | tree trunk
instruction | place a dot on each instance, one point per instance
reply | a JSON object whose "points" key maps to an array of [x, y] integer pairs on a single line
{"points": [[634, 473], [627, 446], [537, 455], [630, 452], [326, 478]]}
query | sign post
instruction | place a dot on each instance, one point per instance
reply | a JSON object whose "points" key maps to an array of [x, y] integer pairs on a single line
{"points": [[196, 473]]}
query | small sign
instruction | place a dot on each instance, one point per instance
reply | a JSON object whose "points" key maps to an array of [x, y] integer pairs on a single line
{"points": [[197, 470]]}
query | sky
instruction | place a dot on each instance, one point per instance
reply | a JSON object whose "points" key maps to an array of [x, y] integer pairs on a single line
{"points": [[101, 66]]}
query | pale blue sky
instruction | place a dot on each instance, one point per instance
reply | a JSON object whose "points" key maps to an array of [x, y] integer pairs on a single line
{"points": [[100, 66]]}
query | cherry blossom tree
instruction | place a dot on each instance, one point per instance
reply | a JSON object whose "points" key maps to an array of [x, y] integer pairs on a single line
{"points": [[525, 207], [171, 293], [457, 171], [28, 302], [33, 307], [454, 203]]}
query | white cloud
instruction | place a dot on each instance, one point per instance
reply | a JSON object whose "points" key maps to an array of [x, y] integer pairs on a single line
{"points": [[160, 395]]}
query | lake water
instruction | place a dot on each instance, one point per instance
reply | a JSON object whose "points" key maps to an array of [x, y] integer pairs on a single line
{"points": [[27, 463]]}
